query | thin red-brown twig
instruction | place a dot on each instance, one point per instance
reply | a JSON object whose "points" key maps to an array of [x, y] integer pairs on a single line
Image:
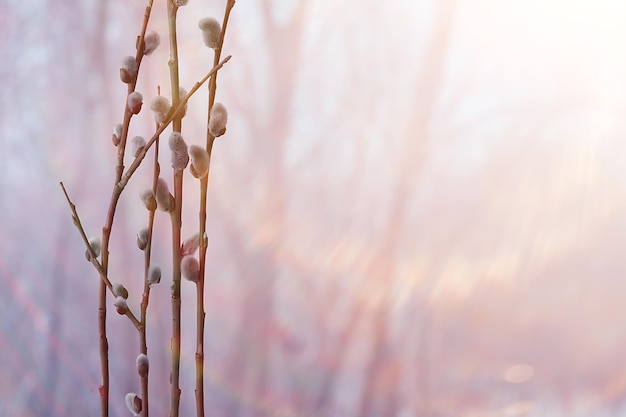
{"points": [[145, 298], [92, 255], [106, 230], [204, 182]]}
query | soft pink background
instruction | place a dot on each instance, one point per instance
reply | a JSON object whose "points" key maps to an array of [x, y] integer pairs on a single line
{"points": [[418, 208]]}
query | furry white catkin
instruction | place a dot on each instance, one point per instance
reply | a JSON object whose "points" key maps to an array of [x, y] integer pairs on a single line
{"points": [[219, 118], [180, 158], [211, 32], [165, 200], [134, 102], [154, 275], [190, 268], [133, 403], [137, 144], [161, 107], [128, 69], [143, 365], [142, 238], [199, 161], [151, 42]]}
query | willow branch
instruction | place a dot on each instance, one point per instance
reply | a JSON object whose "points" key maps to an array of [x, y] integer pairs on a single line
{"points": [[173, 114], [145, 298], [204, 183], [92, 255], [176, 220]]}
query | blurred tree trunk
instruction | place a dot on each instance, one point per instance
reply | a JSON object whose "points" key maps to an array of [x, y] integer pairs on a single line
{"points": [[381, 395], [85, 78], [251, 360]]}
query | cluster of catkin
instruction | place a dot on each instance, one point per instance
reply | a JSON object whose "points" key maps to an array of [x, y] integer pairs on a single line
{"points": [[157, 197]]}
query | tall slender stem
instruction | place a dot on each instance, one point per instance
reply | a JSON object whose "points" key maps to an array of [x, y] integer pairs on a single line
{"points": [[106, 232], [176, 220], [176, 301], [204, 182], [145, 299], [104, 350]]}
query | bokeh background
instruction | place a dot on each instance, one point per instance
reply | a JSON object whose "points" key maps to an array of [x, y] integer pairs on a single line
{"points": [[417, 210]]}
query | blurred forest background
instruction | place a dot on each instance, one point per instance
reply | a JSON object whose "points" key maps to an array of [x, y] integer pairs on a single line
{"points": [[415, 211]]}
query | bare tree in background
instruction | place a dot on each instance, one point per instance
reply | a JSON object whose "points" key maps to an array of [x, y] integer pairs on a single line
{"points": [[304, 277], [43, 95], [389, 384], [383, 375], [250, 361]]}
